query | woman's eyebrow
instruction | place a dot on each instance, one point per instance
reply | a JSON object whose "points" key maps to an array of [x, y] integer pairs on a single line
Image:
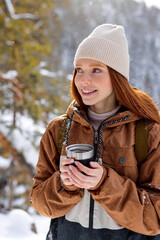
{"points": [[91, 65]]}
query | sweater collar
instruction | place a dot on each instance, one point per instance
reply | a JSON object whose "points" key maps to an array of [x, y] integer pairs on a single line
{"points": [[102, 116]]}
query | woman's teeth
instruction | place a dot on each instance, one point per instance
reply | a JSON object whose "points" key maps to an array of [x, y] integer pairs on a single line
{"points": [[88, 91]]}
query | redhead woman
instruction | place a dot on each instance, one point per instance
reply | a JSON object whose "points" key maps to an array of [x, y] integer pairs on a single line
{"points": [[111, 198]]}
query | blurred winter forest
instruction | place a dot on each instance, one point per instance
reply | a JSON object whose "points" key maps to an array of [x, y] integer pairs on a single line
{"points": [[38, 40]]}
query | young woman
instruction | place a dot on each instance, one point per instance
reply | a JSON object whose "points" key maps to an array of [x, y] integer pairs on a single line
{"points": [[113, 198]]}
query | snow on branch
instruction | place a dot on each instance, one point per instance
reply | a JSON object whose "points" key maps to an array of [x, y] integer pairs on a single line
{"points": [[11, 11], [15, 86]]}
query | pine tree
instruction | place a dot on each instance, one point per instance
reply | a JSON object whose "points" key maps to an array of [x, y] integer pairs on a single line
{"points": [[26, 41], [29, 34]]}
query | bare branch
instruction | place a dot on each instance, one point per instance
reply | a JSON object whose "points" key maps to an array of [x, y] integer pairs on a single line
{"points": [[11, 10], [15, 88]]}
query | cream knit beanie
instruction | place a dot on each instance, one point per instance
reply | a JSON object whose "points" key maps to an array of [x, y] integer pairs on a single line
{"points": [[107, 44]]}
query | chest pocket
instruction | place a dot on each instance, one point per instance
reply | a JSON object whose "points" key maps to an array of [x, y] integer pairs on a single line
{"points": [[118, 150], [122, 160]]}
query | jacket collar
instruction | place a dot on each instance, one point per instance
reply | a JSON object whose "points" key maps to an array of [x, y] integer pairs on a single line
{"points": [[80, 115]]}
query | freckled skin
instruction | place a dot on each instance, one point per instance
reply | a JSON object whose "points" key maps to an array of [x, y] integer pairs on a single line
{"points": [[94, 76]]}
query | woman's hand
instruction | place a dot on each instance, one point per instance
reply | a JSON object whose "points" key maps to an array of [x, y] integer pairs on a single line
{"points": [[64, 169], [88, 180]]}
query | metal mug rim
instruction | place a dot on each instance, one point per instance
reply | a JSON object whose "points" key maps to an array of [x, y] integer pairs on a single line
{"points": [[81, 155]]}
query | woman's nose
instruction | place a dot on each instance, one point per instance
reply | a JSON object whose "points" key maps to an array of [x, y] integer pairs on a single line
{"points": [[86, 78]]}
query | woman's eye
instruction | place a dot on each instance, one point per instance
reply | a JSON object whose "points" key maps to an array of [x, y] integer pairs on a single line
{"points": [[79, 70], [96, 70]]}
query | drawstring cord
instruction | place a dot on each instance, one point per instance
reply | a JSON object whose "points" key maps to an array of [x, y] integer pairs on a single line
{"points": [[68, 128], [100, 133]]}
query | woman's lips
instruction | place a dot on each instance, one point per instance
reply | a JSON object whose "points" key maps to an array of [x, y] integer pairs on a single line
{"points": [[88, 92]]}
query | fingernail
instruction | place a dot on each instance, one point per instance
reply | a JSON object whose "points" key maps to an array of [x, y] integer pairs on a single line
{"points": [[69, 172], [71, 179], [76, 163], [70, 167], [92, 163], [71, 160]]}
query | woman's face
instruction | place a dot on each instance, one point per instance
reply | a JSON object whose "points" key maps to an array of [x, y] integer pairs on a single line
{"points": [[94, 85]]}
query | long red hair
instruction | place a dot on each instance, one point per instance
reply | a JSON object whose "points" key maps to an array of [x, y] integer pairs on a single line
{"points": [[137, 101]]}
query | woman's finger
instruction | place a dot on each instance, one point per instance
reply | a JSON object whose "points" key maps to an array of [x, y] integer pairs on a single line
{"points": [[78, 176], [67, 161], [64, 169], [88, 180], [65, 177], [87, 170]]}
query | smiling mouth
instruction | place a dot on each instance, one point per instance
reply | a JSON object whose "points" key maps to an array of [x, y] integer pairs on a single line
{"points": [[88, 91]]}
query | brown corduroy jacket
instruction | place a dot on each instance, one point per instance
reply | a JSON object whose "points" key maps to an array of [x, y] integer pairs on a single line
{"points": [[131, 196]]}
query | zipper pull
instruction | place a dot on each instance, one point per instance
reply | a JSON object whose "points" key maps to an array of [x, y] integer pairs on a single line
{"points": [[95, 137]]}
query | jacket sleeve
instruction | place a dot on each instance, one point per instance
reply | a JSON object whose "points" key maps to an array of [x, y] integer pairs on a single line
{"points": [[47, 196], [135, 206]]}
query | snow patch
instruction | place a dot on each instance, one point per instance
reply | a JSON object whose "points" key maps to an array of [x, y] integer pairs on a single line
{"points": [[25, 138], [10, 74], [5, 162], [18, 224]]}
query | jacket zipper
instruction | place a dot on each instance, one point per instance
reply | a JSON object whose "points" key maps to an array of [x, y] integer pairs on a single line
{"points": [[96, 156], [91, 210]]}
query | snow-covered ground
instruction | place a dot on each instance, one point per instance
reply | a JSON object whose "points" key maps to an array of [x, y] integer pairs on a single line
{"points": [[17, 224]]}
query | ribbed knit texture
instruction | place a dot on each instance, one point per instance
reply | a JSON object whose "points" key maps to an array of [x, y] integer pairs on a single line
{"points": [[97, 118], [107, 44]]}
